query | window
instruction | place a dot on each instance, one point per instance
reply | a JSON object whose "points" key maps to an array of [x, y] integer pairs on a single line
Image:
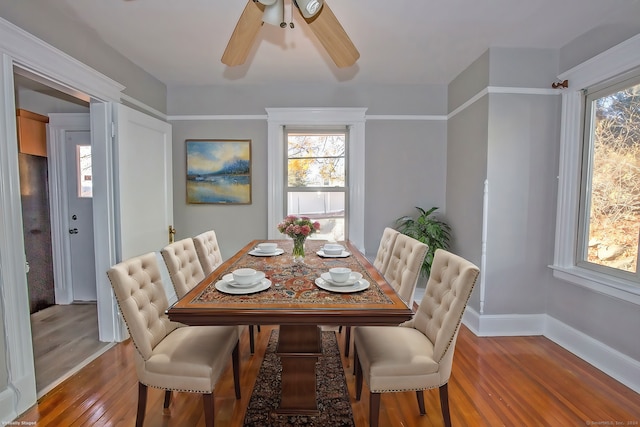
{"points": [[598, 196], [610, 195], [349, 120], [316, 179], [84, 175]]}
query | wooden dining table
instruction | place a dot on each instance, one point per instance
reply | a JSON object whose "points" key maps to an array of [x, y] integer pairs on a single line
{"points": [[296, 303]]}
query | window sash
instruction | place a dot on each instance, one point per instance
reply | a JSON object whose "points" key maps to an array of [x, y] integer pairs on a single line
{"points": [[591, 96], [288, 189], [607, 65]]}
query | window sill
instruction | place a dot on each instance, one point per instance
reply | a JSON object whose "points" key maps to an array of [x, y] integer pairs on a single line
{"points": [[607, 285]]}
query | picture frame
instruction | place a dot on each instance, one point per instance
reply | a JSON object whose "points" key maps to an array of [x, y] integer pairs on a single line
{"points": [[218, 171]]}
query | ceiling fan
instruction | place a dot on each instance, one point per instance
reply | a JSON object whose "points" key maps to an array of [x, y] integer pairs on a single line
{"points": [[316, 13]]}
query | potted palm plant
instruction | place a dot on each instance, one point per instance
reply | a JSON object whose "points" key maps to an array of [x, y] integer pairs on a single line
{"points": [[427, 229]]}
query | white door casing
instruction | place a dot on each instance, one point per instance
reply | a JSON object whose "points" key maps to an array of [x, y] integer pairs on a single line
{"points": [[26, 52]]}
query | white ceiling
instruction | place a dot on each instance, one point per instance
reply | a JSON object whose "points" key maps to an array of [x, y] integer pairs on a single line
{"points": [[400, 41]]}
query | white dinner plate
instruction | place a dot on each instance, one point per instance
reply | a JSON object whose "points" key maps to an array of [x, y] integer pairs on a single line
{"points": [[257, 278], [360, 285], [353, 278], [257, 252], [344, 254], [224, 286]]}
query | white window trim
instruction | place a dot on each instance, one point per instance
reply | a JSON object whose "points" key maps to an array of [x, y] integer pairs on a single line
{"points": [[354, 119], [615, 61]]}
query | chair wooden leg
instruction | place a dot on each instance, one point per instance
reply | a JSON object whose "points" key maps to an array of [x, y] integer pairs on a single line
{"points": [[444, 404], [142, 404], [251, 339], [420, 396], [358, 372], [347, 340], [236, 369], [355, 356], [374, 409], [167, 398], [207, 402]]}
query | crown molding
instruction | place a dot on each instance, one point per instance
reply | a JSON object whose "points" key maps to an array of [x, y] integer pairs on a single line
{"points": [[42, 59]]}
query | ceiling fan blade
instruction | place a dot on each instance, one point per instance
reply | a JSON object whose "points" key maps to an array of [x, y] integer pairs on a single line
{"points": [[333, 37], [243, 35]]}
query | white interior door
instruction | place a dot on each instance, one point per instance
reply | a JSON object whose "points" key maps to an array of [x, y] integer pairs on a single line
{"points": [[145, 185], [80, 214]]}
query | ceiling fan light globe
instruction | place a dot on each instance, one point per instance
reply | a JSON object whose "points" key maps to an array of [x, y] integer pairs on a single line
{"points": [[309, 8], [266, 2], [313, 6]]}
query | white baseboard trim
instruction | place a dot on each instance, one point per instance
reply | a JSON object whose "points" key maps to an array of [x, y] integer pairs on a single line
{"points": [[7, 406], [610, 361], [503, 325], [617, 365]]}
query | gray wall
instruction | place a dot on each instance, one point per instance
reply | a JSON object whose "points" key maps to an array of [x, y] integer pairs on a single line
{"points": [[522, 166], [466, 160], [47, 102], [405, 164], [253, 99], [59, 28], [405, 168], [512, 139]]}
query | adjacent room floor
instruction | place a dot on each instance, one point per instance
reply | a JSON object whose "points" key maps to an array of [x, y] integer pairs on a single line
{"points": [[65, 339]]}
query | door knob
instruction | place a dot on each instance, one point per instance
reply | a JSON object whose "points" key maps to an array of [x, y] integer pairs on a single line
{"points": [[73, 231]]}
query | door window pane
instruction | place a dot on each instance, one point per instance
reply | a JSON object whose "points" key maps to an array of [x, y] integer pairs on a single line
{"points": [[85, 184]]}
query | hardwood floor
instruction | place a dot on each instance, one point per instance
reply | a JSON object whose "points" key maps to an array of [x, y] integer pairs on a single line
{"points": [[505, 381], [65, 338]]}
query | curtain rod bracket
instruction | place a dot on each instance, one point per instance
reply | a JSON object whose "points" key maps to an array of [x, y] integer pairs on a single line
{"points": [[560, 85]]}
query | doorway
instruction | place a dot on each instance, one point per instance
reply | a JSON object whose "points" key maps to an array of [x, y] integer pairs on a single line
{"points": [[59, 295]]}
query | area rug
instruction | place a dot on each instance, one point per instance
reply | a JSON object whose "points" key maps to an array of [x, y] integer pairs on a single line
{"points": [[332, 393]]}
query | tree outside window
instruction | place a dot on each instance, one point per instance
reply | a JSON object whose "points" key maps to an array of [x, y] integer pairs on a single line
{"points": [[316, 180], [613, 187]]}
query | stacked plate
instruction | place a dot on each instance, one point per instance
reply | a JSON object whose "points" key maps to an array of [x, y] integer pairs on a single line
{"points": [[354, 283], [266, 249], [331, 250], [254, 283]]}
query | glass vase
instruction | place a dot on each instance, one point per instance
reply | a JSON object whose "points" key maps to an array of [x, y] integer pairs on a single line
{"points": [[298, 249]]}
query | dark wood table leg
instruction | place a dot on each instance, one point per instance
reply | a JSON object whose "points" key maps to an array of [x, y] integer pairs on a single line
{"points": [[299, 347]]}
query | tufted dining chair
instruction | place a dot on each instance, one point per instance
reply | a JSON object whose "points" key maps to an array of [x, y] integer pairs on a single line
{"points": [[385, 247], [169, 355], [418, 354], [210, 257], [208, 251], [405, 264], [402, 271], [183, 265]]}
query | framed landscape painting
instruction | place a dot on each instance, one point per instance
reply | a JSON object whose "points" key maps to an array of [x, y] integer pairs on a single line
{"points": [[219, 171]]}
